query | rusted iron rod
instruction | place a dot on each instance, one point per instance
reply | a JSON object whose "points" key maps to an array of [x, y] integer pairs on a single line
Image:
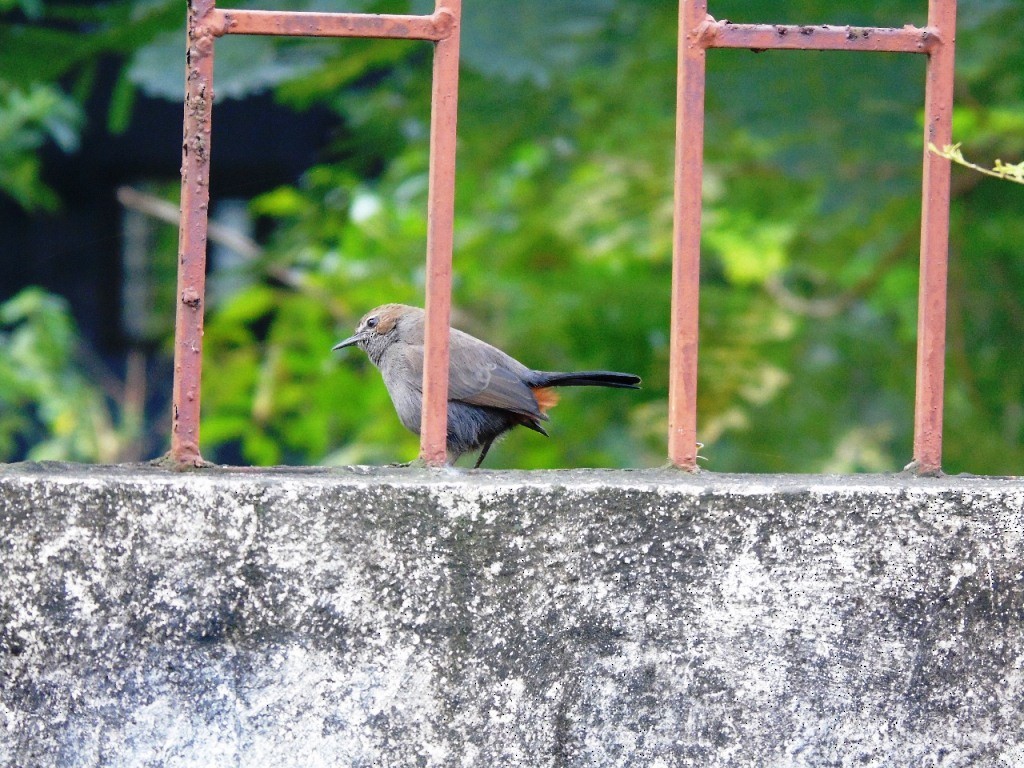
{"points": [[820, 37], [440, 225], [195, 199], [243, 22], [697, 32], [931, 317], [205, 24], [689, 170]]}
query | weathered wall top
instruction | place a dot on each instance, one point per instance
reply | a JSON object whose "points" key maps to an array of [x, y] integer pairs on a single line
{"points": [[367, 617]]}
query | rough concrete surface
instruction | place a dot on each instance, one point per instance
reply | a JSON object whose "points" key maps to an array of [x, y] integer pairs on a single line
{"points": [[386, 617]]}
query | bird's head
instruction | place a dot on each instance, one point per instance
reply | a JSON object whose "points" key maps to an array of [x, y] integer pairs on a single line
{"points": [[380, 328]]}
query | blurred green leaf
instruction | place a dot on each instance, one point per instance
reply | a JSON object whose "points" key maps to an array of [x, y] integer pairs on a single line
{"points": [[28, 119], [50, 409], [33, 9], [121, 102], [245, 65]]}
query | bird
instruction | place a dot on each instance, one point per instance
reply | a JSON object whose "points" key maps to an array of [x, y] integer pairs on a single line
{"points": [[489, 392]]}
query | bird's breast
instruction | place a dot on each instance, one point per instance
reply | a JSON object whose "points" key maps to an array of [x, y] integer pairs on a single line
{"points": [[405, 388]]}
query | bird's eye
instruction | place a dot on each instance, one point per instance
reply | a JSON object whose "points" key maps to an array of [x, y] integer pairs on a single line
{"points": [[371, 322]]}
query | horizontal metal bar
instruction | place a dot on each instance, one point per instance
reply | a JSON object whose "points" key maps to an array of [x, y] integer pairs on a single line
{"points": [[817, 37], [435, 27]]}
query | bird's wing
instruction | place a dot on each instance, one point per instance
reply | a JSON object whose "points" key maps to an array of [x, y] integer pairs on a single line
{"points": [[485, 383], [492, 386]]}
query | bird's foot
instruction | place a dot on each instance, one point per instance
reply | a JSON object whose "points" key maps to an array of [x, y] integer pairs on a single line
{"points": [[421, 464], [415, 463]]}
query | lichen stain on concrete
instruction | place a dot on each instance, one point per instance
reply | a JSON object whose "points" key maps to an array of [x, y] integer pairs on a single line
{"points": [[401, 617]]}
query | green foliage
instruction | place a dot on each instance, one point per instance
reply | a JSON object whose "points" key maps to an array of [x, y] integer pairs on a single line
{"points": [[32, 9], [46, 403], [28, 118], [564, 226], [1000, 170]]}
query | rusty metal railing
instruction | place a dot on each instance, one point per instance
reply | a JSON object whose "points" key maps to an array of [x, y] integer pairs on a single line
{"points": [[206, 23], [698, 32]]}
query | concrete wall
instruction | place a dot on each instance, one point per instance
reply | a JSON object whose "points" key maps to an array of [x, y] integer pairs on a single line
{"points": [[409, 618]]}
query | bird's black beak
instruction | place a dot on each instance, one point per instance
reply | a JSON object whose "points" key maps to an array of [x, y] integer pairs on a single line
{"points": [[350, 341]]}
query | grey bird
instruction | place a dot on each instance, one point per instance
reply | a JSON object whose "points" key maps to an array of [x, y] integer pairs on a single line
{"points": [[489, 392]]}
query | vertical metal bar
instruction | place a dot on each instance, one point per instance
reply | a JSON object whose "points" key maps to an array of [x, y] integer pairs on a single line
{"points": [[195, 198], [689, 170], [440, 225], [931, 320]]}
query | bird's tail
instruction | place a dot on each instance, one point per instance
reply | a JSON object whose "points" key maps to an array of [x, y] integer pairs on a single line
{"points": [[586, 379]]}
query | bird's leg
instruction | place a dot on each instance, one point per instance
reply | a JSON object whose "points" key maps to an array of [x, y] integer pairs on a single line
{"points": [[483, 453]]}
